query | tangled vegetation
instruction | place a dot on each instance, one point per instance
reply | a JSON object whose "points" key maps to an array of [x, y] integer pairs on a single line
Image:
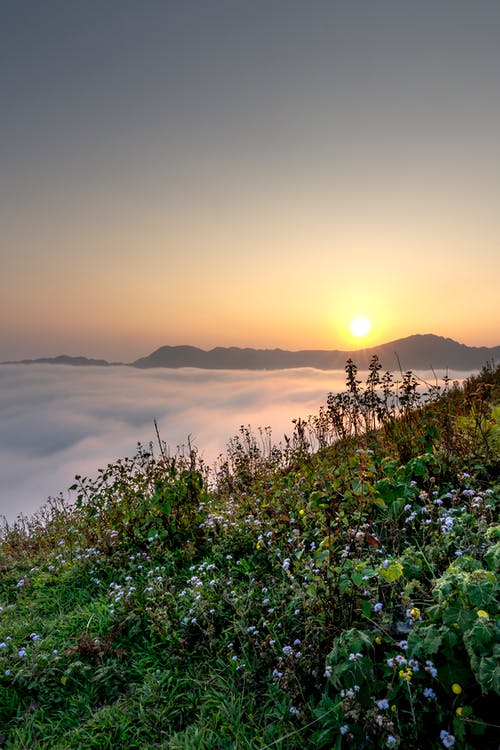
{"points": [[337, 590]]}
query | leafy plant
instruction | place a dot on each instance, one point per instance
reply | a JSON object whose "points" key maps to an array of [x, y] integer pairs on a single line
{"points": [[337, 590]]}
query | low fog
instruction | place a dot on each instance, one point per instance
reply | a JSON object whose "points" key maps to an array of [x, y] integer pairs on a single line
{"points": [[57, 421]]}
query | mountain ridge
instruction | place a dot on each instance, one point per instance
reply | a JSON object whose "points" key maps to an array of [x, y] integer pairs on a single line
{"points": [[417, 351]]}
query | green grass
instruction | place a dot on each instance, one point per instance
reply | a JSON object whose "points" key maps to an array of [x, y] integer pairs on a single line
{"points": [[338, 590]]}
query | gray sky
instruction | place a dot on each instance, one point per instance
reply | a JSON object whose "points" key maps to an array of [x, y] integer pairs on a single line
{"points": [[249, 173]]}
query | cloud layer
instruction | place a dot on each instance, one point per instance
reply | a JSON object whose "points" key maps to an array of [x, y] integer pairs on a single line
{"points": [[58, 421]]}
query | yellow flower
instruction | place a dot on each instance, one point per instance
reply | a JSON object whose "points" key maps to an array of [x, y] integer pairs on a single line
{"points": [[394, 709], [258, 545], [378, 640], [459, 711], [301, 512], [405, 675], [456, 688], [482, 613], [415, 613]]}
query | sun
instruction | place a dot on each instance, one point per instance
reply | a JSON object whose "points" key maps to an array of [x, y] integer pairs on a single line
{"points": [[360, 327]]}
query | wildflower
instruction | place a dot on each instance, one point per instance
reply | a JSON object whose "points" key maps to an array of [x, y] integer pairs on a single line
{"points": [[415, 613], [286, 563], [456, 688], [7, 672], [20, 583], [328, 671], [3, 645], [383, 704], [447, 524], [378, 606], [22, 653], [301, 512], [447, 739], [405, 674], [294, 711], [483, 613], [344, 729], [429, 693], [459, 711], [429, 667], [391, 741]]}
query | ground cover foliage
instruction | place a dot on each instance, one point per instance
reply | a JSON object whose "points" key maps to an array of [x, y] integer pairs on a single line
{"points": [[339, 589]]}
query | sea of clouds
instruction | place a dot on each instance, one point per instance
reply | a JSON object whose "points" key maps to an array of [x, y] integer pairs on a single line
{"points": [[57, 421]]}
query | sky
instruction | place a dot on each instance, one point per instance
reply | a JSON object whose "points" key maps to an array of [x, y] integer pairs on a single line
{"points": [[59, 421], [248, 173]]}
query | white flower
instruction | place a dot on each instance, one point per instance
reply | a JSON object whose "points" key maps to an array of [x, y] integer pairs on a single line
{"points": [[447, 739]]}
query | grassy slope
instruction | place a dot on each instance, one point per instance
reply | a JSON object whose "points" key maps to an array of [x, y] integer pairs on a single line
{"points": [[337, 591]]}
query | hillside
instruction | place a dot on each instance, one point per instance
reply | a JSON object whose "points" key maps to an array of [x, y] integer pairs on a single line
{"points": [[337, 591]]}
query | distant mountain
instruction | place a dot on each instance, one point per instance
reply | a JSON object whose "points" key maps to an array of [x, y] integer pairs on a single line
{"points": [[63, 359], [418, 352]]}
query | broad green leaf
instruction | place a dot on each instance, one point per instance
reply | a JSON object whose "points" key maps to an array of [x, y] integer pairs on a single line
{"points": [[392, 572]]}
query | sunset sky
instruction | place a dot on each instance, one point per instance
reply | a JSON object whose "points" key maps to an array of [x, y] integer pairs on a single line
{"points": [[250, 173]]}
